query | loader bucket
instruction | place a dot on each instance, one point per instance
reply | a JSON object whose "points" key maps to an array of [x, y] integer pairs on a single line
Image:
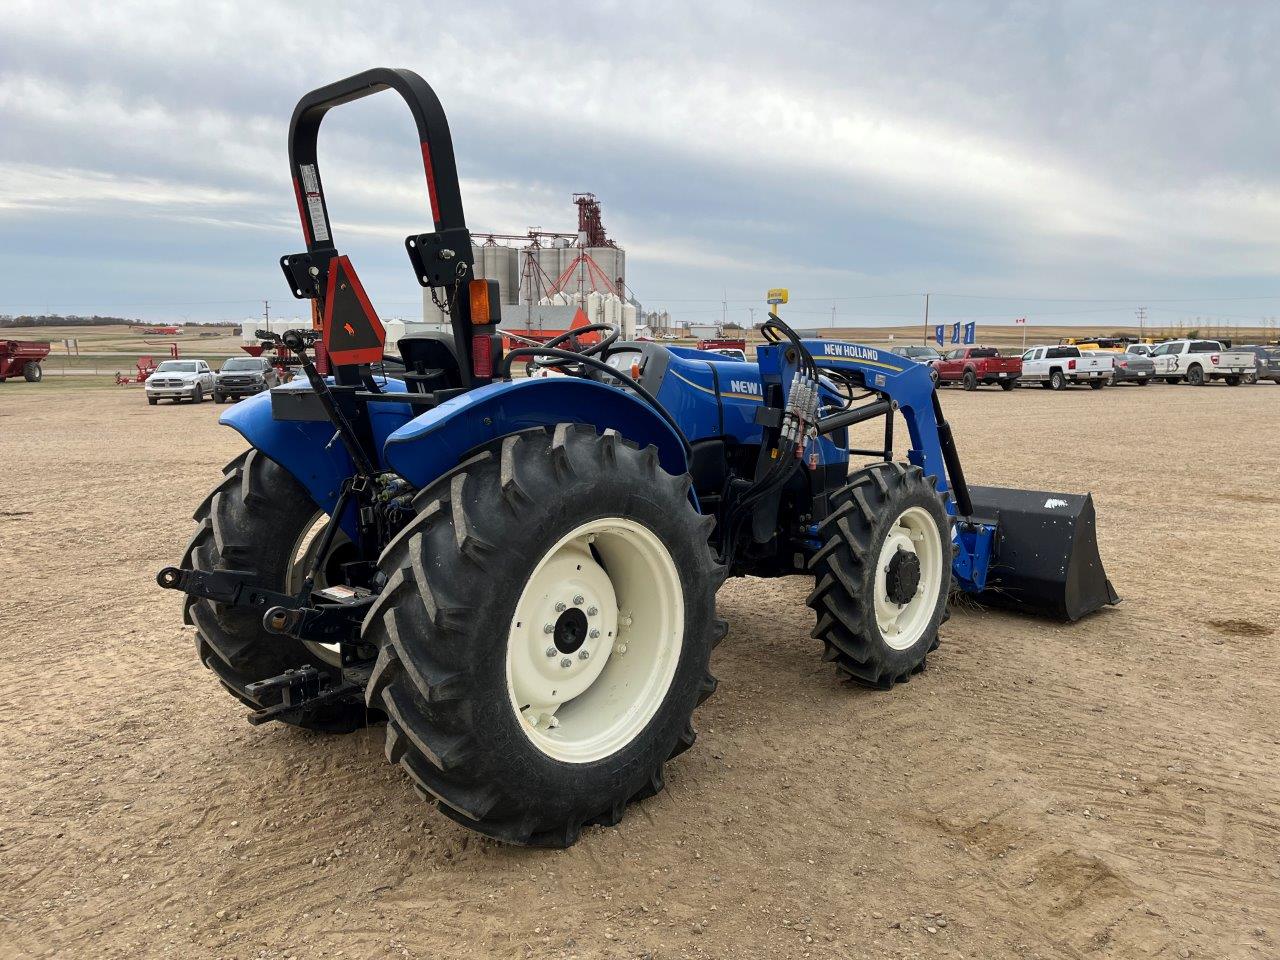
{"points": [[1045, 559]]}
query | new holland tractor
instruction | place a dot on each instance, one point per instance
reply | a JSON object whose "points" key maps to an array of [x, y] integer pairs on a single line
{"points": [[518, 576]]}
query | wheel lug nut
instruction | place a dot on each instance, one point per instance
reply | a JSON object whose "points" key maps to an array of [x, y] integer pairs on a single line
{"points": [[594, 634], [548, 628], [584, 654], [560, 607], [551, 652], [577, 601], [592, 611], [567, 662]]}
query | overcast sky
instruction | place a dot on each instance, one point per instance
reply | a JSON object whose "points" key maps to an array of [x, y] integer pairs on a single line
{"points": [[1014, 159]]}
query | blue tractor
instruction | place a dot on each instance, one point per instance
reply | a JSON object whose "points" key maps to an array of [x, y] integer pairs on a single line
{"points": [[518, 576]]}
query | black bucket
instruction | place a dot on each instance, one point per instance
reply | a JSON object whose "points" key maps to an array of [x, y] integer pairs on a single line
{"points": [[1045, 559]]}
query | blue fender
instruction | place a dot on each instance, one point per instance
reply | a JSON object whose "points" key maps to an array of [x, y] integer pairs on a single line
{"points": [[304, 447], [436, 441]]}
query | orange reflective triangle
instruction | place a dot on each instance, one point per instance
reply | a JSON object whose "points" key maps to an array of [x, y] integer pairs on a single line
{"points": [[352, 331]]}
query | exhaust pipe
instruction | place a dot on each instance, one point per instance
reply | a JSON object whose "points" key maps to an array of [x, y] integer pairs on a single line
{"points": [[1045, 558]]}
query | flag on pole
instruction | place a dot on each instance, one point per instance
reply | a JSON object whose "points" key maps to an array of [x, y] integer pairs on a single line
{"points": [[971, 331], [955, 332], [939, 333]]}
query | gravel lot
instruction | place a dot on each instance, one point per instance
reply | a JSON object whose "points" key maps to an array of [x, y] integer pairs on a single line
{"points": [[1105, 789]]}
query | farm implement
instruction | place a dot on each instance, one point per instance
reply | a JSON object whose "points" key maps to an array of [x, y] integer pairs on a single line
{"points": [[22, 358], [518, 576]]}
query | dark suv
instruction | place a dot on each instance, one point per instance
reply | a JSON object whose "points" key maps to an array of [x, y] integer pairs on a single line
{"points": [[243, 377], [1267, 359]]}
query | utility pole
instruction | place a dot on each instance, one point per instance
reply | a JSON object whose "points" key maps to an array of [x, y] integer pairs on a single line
{"points": [[752, 311], [926, 318], [833, 318], [724, 310], [266, 313], [1142, 322]]}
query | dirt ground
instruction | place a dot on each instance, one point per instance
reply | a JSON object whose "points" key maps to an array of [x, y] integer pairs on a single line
{"points": [[1107, 789]]}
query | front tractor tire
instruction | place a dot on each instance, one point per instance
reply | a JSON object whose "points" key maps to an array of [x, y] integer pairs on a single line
{"points": [[882, 575], [544, 634], [257, 520]]}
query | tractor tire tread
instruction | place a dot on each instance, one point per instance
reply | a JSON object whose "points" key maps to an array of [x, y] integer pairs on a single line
{"points": [[839, 567], [427, 677], [248, 522]]}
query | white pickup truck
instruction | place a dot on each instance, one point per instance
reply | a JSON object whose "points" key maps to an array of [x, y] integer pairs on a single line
{"points": [[1199, 361], [1054, 367]]}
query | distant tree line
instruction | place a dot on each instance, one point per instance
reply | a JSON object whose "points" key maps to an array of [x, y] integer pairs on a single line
{"points": [[55, 320]]}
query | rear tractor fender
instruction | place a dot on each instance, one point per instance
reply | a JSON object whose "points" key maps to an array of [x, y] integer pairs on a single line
{"points": [[435, 442]]}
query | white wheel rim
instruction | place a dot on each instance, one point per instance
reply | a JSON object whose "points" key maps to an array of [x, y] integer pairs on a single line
{"points": [[915, 532], [301, 559], [580, 707]]}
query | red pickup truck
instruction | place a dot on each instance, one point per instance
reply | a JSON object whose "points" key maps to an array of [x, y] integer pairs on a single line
{"points": [[971, 366]]}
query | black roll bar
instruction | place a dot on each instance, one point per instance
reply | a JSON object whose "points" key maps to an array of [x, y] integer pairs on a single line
{"points": [[440, 259], [438, 162]]}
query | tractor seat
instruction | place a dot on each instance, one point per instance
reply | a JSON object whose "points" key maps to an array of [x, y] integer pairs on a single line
{"points": [[430, 361]]}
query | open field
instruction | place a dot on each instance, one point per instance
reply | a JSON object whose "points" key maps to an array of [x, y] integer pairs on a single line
{"points": [[1107, 789]]}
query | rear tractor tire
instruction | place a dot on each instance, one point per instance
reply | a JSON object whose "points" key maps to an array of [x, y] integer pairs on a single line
{"points": [[256, 519], [882, 574], [32, 372], [544, 634]]}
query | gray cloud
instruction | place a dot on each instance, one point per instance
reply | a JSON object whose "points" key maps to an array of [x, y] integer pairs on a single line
{"points": [[1082, 150]]}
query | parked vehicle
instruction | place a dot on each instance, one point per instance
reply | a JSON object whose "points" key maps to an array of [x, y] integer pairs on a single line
{"points": [[971, 366], [917, 352], [22, 357], [1139, 349], [1199, 361], [723, 343], [1266, 363], [1132, 368], [1057, 367], [180, 380], [920, 354], [243, 377], [731, 352]]}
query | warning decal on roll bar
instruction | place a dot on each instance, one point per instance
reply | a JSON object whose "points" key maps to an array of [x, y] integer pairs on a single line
{"points": [[315, 203]]}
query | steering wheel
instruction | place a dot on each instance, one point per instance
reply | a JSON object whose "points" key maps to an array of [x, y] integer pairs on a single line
{"points": [[571, 336]]}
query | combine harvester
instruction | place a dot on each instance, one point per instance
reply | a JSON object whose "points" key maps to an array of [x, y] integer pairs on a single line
{"points": [[520, 576]]}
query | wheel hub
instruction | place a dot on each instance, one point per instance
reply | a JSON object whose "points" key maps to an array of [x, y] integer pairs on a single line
{"points": [[903, 576], [571, 631]]}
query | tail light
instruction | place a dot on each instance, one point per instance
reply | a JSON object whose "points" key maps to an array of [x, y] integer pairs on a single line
{"points": [[1214, 358], [1122, 363], [1071, 364], [482, 357]]}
